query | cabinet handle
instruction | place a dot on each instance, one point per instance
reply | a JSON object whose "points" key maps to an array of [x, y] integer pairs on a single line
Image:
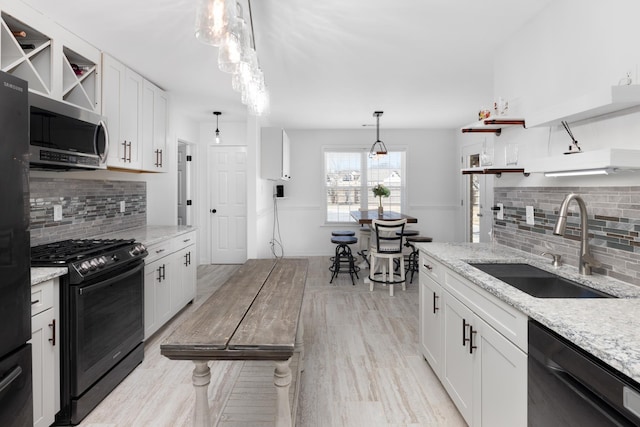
{"points": [[129, 151], [161, 159], [189, 255], [159, 251], [124, 153], [161, 273], [186, 260], [35, 302], [428, 267], [464, 332], [186, 240], [435, 299], [52, 325], [472, 333]]}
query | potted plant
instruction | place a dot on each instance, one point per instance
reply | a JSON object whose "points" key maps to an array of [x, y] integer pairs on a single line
{"points": [[381, 191]]}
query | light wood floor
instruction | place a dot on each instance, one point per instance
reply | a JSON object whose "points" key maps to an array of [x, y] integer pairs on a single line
{"points": [[362, 365]]}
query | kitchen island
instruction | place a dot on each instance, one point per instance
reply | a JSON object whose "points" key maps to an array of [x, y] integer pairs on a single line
{"points": [[608, 328]]}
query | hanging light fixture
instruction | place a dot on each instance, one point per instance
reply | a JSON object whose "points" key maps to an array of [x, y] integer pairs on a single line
{"points": [[378, 148], [218, 139], [233, 44], [212, 20]]}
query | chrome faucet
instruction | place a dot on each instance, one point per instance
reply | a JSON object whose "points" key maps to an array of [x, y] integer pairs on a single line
{"points": [[586, 259]]}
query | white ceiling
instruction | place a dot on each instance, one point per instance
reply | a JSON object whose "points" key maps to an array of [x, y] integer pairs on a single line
{"points": [[328, 64]]}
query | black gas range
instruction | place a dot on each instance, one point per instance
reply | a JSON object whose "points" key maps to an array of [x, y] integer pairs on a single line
{"points": [[87, 258], [101, 317]]}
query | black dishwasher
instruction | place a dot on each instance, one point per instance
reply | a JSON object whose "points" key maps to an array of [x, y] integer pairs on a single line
{"points": [[569, 387]]}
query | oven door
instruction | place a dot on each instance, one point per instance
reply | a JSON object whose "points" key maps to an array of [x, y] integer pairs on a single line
{"points": [[107, 322]]}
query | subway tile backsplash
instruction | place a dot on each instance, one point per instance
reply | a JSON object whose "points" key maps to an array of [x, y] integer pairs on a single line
{"points": [[89, 207], [614, 225]]}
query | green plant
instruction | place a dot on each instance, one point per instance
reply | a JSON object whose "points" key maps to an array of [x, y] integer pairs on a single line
{"points": [[381, 191]]}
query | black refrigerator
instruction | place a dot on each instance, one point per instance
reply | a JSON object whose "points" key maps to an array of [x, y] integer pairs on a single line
{"points": [[16, 397]]}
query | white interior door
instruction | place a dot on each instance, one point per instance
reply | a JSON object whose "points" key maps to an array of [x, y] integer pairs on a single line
{"points": [[228, 204], [182, 184]]}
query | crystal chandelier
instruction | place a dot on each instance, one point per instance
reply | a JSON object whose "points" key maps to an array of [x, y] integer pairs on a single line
{"points": [[221, 23]]}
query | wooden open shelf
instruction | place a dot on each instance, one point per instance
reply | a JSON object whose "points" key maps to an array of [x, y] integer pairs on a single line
{"points": [[492, 125], [498, 171]]}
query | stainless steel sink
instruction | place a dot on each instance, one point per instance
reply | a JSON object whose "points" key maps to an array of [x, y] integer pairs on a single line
{"points": [[537, 282]]}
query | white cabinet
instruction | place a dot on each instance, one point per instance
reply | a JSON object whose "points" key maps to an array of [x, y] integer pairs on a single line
{"points": [[275, 154], [154, 128], [45, 350], [476, 344], [430, 318], [122, 107], [136, 114], [55, 62], [170, 280]]}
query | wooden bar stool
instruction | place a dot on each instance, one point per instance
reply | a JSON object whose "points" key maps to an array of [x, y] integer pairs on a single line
{"points": [[388, 246], [344, 257]]}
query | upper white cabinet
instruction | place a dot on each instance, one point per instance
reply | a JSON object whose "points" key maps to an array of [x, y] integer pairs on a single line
{"points": [[154, 127], [276, 155], [136, 113], [53, 61]]}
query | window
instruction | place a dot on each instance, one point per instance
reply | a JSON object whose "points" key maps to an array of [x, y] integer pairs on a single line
{"points": [[350, 176]]}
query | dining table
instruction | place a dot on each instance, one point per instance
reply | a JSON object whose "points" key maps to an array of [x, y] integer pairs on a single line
{"points": [[365, 217]]}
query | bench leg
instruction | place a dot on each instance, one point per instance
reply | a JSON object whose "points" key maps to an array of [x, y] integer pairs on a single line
{"points": [[282, 381], [200, 379]]}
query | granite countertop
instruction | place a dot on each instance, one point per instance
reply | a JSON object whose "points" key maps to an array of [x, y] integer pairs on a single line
{"points": [[607, 328], [148, 235]]}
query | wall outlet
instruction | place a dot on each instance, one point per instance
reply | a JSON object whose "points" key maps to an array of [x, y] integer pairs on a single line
{"points": [[500, 211], [530, 219], [57, 212], [122, 206]]}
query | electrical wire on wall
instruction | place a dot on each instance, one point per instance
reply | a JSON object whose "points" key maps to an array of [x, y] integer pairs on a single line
{"points": [[276, 244]]}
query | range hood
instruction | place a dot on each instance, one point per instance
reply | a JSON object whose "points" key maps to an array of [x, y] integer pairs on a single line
{"points": [[605, 161]]}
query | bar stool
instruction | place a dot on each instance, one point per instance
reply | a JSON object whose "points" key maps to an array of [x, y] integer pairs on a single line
{"points": [[344, 256], [343, 233], [388, 246], [413, 263]]}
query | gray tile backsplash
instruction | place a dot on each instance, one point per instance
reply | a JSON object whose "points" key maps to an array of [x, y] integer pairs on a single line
{"points": [[614, 225], [89, 207]]}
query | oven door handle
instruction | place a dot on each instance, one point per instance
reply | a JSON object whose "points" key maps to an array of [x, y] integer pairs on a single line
{"points": [[13, 375], [101, 284]]}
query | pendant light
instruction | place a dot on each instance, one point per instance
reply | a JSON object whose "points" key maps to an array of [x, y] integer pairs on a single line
{"points": [[212, 20], [218, 139], [378, 148]]}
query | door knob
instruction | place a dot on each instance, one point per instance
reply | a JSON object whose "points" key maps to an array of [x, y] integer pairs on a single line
{"points": [[213, 211]]}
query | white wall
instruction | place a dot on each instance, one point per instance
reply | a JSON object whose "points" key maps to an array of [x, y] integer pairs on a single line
{"points": [[432, 185], [571, 49]]}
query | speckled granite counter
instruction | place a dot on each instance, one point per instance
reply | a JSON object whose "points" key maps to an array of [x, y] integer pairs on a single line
{"points": [[607, 328], [150, 234], [42, 274]]}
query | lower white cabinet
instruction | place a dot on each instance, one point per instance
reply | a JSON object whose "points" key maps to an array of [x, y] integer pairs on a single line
{"points": [[45, 352], [169, 280], [484, 372]]}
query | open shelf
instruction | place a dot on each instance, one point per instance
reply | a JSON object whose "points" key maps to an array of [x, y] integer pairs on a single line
{"points": [[598, 103], [78, 88], [488, 170], [493, 125], [29, 57]]}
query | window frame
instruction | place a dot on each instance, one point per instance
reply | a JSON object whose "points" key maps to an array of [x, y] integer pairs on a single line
{"points": [[365, 198]]}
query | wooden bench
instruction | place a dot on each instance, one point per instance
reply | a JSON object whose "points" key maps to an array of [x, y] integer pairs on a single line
{"points": [[255, 315]]}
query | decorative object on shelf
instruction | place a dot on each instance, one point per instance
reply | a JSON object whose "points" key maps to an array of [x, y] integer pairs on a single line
{"points": [[500, 107], [218, 139], [575, 143], [484, 113], [381, 191], [486, 157], [378, 148], [511, 154], [220, 23]]}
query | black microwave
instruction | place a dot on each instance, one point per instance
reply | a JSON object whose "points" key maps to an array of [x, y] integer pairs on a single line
{"points": [[65, 137]]}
